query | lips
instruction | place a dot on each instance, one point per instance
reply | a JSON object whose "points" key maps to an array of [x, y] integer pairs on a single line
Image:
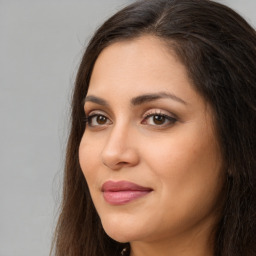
{"points": [[122, 192]]}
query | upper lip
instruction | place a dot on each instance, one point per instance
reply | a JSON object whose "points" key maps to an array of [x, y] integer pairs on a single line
{"points": [[114, 186]]}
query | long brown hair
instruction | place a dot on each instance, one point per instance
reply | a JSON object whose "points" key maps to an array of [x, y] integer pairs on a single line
{"points": [[218, 48]]}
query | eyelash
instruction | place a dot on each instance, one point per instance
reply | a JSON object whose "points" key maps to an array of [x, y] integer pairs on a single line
{"points": [[171, 120], [88, 120]]}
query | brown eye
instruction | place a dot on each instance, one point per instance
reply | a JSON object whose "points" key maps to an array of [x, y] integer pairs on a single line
{"points": [[101, 120], [97, 120], [159, 119]]}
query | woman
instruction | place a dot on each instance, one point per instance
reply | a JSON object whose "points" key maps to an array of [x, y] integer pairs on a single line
{"points": [[161, 153]]}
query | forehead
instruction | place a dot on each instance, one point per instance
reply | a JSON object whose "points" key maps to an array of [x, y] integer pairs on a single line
{"points": [[143, 54], [139, 66]]}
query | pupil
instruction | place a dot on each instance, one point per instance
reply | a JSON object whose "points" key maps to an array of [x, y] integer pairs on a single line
{"points": [[101, 120], [159, 119]]}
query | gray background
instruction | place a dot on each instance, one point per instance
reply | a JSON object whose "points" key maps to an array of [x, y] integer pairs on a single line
{"points": [[41, 43]]}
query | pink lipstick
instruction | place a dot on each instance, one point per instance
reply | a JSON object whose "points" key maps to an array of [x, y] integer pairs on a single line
{"points": [[122, 192]]}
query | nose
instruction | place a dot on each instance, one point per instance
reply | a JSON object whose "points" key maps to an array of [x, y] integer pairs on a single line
{"points": [[120, 149]]}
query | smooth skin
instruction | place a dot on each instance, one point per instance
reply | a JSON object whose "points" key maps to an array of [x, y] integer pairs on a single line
{"points": [[147, 124]]}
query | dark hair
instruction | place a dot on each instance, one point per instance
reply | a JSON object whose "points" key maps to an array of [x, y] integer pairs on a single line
{"points": [[218, 48]]}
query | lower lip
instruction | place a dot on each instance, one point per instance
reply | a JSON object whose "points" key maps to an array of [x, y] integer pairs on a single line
{"points": [[123, 197]]}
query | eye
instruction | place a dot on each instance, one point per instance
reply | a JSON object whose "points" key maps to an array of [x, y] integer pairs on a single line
{"points": [[158, 119], [97, 120]]}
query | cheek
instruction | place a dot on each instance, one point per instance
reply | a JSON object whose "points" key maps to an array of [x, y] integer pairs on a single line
{"points": [[189, 177], [88, 153], [187, 151], [188, 166]]}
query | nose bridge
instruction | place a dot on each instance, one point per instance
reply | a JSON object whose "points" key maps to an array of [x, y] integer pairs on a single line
{"points": [[118, 137], [120, 148]]}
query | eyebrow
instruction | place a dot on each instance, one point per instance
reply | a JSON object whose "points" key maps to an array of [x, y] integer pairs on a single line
{"points": [[139, 100], [96, 100], [155, 96]]}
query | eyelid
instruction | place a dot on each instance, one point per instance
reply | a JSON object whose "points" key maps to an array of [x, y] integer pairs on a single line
{"points": [[159, 112], [90, 115], [91, 106], [92, 112], [169, 119]]}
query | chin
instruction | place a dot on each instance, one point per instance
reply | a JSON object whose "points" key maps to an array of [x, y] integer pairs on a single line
{"points": [[121, 238], [120, 231], [118, 234]]}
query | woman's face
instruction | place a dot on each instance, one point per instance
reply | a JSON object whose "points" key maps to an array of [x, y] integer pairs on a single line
{"points": [[149, 152]]}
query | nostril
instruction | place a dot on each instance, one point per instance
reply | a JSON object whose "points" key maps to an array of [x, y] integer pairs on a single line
{"points": [[123, 163]]}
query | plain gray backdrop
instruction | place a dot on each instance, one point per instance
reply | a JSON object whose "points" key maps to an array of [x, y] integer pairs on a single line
{"points": [[41, 44]]}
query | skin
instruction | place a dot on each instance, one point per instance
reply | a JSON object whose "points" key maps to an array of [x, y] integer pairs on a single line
{"points": [[178, 158]]}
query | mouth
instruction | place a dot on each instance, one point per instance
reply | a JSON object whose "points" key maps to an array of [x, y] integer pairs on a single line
{"points": [[123, 192]]}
